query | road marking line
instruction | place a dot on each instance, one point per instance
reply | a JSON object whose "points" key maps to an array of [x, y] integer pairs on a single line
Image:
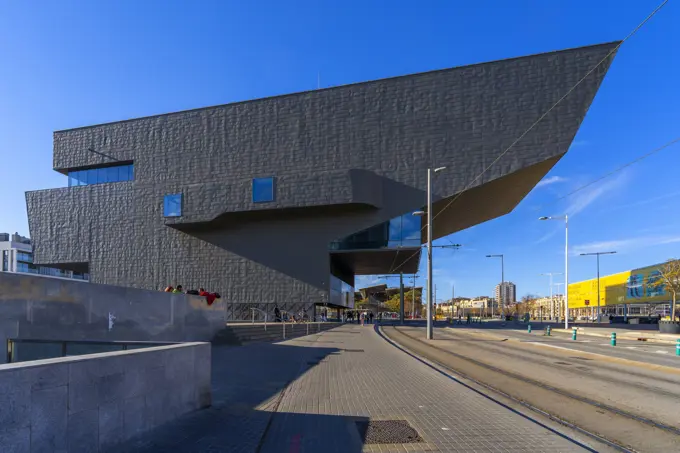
{"points": [[631, 347], [661, 352]]}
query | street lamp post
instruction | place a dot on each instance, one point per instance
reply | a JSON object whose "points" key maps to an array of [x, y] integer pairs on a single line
{"points": [[566, 264], [501, 296], [550, 274], [599, 314], [430, 330]]}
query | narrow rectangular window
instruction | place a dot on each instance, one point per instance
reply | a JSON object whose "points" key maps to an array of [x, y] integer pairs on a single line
{"points": [[263, 190], [172, 205]]}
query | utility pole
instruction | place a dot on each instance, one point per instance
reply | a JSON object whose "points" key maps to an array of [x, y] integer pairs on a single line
{"points": [[413, 299], [401, 298], [552, 302], [434, 304], [501, 294], [599, 314], [430, 331]]}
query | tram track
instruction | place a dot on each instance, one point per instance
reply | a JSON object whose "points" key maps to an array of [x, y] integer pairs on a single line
{"points": [[541, 358], [612, 426]]}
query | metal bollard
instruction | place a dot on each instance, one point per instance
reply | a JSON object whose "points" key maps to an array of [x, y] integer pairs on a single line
{"points": [[547, 330], [677, 347], [284, 330], [529, 328], [613, 339], [573, 333]]}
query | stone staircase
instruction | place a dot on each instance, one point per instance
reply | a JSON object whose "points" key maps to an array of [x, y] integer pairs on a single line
{"points": [[242, 334]]}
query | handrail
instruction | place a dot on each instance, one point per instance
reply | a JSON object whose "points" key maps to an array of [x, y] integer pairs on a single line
{"points": [[64, 343], [261, 311]]}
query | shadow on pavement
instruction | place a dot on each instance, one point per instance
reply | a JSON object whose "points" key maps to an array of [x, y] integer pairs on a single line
{"points": [[294, 432], [247, 382]]}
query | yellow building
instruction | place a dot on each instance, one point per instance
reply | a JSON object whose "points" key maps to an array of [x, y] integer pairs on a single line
{"points": [[630, 287]]}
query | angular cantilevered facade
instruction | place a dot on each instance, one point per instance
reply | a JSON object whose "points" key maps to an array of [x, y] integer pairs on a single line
{"points": [[285, 199]]}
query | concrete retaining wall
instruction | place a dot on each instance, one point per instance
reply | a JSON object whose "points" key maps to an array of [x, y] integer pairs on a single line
{"points": [[45, 308], [93, 403]]}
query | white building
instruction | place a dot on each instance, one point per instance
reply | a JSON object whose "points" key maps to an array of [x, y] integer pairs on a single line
{"points": [[16, 254], [506, 293]]}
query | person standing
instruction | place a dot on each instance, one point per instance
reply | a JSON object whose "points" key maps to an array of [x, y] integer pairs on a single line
{"points": [[370, 318], [362, 317]]}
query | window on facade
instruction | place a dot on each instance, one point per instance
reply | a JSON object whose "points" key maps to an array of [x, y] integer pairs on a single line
{"points": [[402, 231], [104, 175], [263, 190], [26, 257], [172, 205]]}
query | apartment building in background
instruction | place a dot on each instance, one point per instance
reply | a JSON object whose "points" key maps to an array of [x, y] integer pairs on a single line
{"points": [[506, 293], [16, 253]]}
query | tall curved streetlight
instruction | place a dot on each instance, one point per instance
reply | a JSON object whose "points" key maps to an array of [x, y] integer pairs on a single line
{"points": [[566, 264], [430, 330], [501, 302]]}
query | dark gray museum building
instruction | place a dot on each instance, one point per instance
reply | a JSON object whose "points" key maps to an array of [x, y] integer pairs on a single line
{"points": [[286, 199]]}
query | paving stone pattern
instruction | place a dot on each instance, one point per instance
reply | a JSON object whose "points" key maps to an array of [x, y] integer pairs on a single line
{"points": [[334, 385], [384, 383]]}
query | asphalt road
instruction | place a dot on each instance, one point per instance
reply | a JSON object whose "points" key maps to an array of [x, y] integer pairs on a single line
{"points": [[647, 352], [628, 396]]}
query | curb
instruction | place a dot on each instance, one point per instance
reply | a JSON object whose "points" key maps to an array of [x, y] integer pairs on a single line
{"points": [[620, 336]]}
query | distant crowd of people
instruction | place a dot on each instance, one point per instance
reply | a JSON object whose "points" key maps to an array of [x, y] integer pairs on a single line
{"points": [[209, 297], [361, 318]]}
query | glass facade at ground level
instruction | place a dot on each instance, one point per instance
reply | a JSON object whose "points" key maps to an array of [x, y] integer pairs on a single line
{"points": [[341, 293], [402, 231], [104, 175]]}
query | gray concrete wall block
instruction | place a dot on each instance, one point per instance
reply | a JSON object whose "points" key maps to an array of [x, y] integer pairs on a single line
{"points": [[44, 377], [111, 388], [15, 401], [49, 420], [93, 403], [111, 425], [82, 395], [71, 310], [15, 440], [83, 431], [135, 416]]}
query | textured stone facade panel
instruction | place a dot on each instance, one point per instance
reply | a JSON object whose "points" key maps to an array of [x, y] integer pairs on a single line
{"points": [[366, 144]]}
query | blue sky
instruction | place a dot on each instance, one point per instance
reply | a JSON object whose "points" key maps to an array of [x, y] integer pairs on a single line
{"points": [[72, 63]]}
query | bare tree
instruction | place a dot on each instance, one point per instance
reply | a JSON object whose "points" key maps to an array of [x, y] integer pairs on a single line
{"points": [[668, 278]]}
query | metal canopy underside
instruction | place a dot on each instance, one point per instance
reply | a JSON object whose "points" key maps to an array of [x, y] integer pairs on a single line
{"points": [[383, 261]]}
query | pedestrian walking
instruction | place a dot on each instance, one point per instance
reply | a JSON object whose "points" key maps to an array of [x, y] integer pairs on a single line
{"points": [[370, 318], [362, 318]]}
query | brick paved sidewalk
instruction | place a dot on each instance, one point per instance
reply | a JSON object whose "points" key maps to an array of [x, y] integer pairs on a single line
{"points": [[337, 378]]}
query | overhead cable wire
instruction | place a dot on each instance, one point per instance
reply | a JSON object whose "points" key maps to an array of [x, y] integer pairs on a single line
{"points": [[500, 156], [616, 170]]}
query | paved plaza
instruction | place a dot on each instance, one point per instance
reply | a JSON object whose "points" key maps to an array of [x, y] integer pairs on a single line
{"points": [[308, 394]]}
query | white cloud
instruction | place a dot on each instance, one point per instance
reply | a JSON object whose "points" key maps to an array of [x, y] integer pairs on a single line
{"points": [[645, 201], [577, 143], [551, 180], [624, 245], [586, 197]]}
